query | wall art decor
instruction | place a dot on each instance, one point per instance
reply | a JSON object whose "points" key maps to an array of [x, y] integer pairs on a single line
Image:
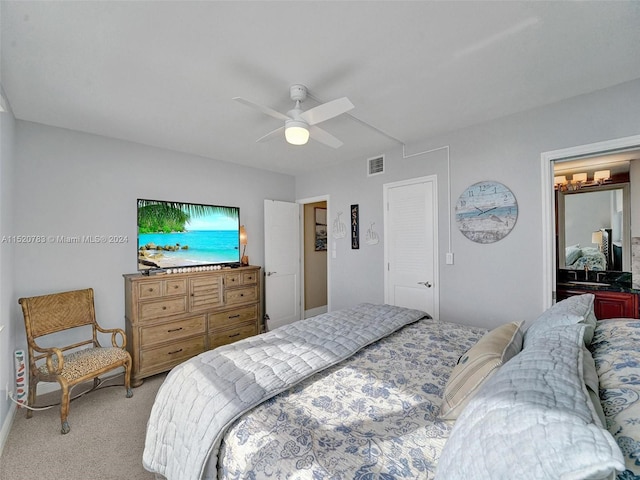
{"points": [[486, 212], [355, 227], [320, 215], [371, 237], [339, 228]]}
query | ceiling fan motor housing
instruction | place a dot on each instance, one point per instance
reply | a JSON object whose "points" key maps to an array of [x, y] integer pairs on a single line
{"points": [[298, 92]]}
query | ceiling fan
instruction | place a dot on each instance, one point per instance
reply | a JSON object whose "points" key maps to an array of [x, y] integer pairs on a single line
{"points": [[299, 124]]}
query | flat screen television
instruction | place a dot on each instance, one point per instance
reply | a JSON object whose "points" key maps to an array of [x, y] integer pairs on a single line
{"points": [[179, 235]]}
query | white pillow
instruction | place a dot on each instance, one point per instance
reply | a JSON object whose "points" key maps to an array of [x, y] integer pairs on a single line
{"points": [[477, 365], [570, 311]]}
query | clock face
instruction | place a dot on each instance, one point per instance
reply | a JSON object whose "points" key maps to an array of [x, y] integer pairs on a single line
{"points": [[486, 212]]}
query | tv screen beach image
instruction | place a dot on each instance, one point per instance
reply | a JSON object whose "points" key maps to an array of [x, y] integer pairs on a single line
{"points": [[172, 234]]}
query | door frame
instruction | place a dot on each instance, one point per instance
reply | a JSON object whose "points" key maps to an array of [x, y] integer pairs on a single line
{"points": [[302, 202], [436, 267], [548, 206]]}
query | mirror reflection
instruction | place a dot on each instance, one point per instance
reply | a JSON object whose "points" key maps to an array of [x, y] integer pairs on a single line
{"points": [[594, 228]]}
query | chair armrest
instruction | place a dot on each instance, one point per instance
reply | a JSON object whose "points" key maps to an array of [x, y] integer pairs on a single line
{"points": [[50, 353], [114, 333]]}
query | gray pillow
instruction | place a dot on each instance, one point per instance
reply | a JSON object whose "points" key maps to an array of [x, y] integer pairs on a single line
{"points": [[533, 419], [573, 310]]}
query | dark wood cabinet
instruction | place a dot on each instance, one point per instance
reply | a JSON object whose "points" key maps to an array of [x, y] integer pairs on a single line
{"points": [[608, 304]]}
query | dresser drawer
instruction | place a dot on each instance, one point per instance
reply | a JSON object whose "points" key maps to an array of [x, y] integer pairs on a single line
{"points": [[240, 295], [223, 320], [150, 290], [165, 357], [232, 279], [175, 286], [249, 278], [224, 337], [162, 308], [172, 331]]}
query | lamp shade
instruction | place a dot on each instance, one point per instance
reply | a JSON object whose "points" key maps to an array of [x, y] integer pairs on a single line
{"points": [[602, 175], [560, 180], [579, 177], [596, 237], [296, 132], [243, 235]]}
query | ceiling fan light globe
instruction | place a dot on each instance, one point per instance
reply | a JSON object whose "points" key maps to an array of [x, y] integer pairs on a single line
{"points": [[296, 133]]}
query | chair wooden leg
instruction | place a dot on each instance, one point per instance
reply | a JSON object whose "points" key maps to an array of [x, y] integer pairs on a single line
{"points": [[127, 379], [33, 386], [64, 410]]}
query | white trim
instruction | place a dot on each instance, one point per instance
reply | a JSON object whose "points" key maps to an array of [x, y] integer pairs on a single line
{"points": [[303, 202], [6, 426], [315, 311], [548, 216], [436, 271]]}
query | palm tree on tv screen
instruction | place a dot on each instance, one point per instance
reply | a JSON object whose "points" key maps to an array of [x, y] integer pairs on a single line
{"points": [[166, 217]]}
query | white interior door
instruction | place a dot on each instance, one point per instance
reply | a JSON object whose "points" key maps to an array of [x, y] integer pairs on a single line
{"points": [[281, 262], [410, 229]]}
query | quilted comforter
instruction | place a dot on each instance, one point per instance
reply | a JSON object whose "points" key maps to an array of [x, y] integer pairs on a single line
{"points": [[203, 396], [373, 416]]}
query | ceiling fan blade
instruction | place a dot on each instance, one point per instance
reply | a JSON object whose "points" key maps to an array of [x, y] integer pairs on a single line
{"points": [[326, 111], [269, 111], [271, 135], [325, 137]]}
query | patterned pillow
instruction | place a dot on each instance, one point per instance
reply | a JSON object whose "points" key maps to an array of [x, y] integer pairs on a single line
{"points": [[570, 311], [477, 365]]}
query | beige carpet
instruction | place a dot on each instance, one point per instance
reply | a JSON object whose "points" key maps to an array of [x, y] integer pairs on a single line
{"points": [[105, 442]]}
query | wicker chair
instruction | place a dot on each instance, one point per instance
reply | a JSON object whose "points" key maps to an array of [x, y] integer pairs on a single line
{"points": [[70, 365]]}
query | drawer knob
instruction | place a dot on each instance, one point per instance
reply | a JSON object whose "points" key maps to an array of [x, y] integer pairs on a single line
{"points": [[164, 307], [174, 352], [234, 316], [174, 330], [151, 289], [234, 335]]}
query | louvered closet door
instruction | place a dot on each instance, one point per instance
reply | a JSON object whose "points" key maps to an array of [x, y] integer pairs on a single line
{"points": [[411, 244]]}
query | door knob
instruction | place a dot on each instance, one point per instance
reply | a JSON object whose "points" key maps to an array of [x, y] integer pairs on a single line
{"points": [[426, 284], [271, 273]]}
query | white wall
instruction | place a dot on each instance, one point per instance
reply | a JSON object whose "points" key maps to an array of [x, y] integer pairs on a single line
{"points": [[488, 284], [72, 184], [8, 305]]}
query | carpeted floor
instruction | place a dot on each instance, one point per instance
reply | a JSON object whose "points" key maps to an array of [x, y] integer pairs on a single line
{"points": [[105, 442]]}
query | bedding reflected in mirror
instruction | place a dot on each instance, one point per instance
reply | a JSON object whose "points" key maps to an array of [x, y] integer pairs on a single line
{"points": [[594, 229]]}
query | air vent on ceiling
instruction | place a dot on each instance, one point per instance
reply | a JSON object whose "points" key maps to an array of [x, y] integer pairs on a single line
{"points": [[375, 165]]}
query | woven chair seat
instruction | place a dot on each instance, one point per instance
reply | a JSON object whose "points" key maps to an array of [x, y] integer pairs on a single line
{"points": [[83, 362]]}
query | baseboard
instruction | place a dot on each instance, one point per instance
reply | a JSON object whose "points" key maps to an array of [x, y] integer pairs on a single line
{"points": [[6, 426], [315, 311]]}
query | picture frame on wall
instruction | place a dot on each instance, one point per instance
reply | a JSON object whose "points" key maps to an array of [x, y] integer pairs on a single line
{"points": [[320, 215]]}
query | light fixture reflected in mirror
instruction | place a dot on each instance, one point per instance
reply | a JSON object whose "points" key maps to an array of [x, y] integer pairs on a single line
{"points": [[596, 237], [244, 260]]}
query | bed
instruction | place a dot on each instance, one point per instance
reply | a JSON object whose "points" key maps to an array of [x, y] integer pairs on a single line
{"points": [[397, 394], [579, 258]]}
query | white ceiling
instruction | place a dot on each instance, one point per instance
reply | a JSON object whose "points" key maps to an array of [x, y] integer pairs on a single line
{"points": [[164, 73]]}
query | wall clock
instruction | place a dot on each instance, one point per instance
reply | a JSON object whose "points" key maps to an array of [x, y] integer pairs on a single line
{"points": [[486, 212]]}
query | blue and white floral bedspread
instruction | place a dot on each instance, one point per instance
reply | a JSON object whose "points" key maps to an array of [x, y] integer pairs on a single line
{"points": [[616, 351], [372, 416]]}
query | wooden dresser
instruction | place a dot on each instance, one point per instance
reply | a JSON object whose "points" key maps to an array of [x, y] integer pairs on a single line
{"points": [[172, 317], [607, 304]]}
